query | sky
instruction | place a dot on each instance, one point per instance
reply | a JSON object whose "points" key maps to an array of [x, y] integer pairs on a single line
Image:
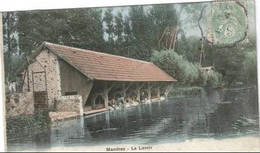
{"points": [[186, 20]]}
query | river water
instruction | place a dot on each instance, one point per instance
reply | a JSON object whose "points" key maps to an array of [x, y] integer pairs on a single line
{"points": [[219, 114]]}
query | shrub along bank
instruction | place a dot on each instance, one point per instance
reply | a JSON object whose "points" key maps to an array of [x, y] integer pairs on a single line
{"points": [[191, 80], [21, 126], [187, 91]]}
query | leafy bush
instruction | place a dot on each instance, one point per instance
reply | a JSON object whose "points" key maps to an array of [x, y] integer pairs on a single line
{"points": [[214, 79], [186, 73], [20, 126], [187, 91]]}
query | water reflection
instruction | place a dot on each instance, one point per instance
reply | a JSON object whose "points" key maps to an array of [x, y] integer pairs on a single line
{"points": [[230, 112]]}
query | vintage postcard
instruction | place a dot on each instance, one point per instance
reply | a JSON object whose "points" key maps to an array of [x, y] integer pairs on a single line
{"points": [[158, 77]]}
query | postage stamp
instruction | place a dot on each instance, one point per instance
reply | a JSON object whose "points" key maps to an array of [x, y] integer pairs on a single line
{"points": [[164, 77], [229, 22]]}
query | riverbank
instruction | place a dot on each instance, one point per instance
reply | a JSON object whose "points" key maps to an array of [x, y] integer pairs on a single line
{"points": [[186, 91], [248, 144]]}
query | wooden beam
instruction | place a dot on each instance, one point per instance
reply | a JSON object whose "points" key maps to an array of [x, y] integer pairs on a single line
{"points": [[129, 85], [164, 86], [150, 85], [111, 87], [125, 88], [159, 89], [160, 86], [168, 87], [141, 86]]}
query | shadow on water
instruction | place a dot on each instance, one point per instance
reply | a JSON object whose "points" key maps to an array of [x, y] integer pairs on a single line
{"points": [[220, 114]]}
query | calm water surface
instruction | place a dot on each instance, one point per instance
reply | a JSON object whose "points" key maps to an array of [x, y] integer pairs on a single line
{"points": [[220, 114]]}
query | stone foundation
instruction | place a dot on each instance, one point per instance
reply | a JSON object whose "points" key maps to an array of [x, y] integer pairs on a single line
{"points": [[67, 107], [57, 116], [70, 104]]}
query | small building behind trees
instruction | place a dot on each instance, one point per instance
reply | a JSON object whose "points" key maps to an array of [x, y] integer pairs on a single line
{"points": [[64, 78]]}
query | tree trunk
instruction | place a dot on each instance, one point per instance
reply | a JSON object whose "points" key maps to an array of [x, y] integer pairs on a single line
{"points": [[175, 36]]}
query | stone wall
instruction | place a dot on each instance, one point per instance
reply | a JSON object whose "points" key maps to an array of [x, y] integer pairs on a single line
{"points": [[67, 107], [70, 104], [50, 73], [19, 104], [59, 116], [73, 81], [47, 62]]}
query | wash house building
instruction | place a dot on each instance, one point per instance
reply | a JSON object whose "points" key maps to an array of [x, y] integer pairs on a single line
{"points": [[65, 78]]}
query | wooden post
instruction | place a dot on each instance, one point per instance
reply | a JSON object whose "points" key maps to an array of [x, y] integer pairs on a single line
{"points": [[158, 92], [105, 93], [149, 95], [138, 93], [149, 88], [123, 89], [168, 88], [93, 98], [106, 99]]}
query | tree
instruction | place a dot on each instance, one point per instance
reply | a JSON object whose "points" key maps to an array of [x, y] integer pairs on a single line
{"points": [[119, 28], [186, 73], [142, 33], [10, 42], [83, 29], [188, 47], [109, 20], [228, 61], [175, 65], [76, 27], [249, 69], [165, 22], [128, 34]]}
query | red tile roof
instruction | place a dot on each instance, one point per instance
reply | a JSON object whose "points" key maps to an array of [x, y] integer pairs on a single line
{"points": [[101, 66]]}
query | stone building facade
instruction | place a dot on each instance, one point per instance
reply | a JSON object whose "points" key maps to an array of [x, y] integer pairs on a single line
{"points": [[66, 79]]}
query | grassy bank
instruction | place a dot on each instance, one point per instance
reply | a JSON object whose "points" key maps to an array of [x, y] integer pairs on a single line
{"points": [[20, 126], [187, 91]]}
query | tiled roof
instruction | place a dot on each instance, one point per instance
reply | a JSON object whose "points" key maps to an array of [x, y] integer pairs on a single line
{"points": [[101, 66]]}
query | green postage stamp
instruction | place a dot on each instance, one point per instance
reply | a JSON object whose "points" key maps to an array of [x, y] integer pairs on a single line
{"points": [[229, 22]]}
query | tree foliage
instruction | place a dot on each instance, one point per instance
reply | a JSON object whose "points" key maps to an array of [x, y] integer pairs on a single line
{"points": [[110, 29], [184, 71], [249, 69], [228, 61], [10, 43], [78, 27]]}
